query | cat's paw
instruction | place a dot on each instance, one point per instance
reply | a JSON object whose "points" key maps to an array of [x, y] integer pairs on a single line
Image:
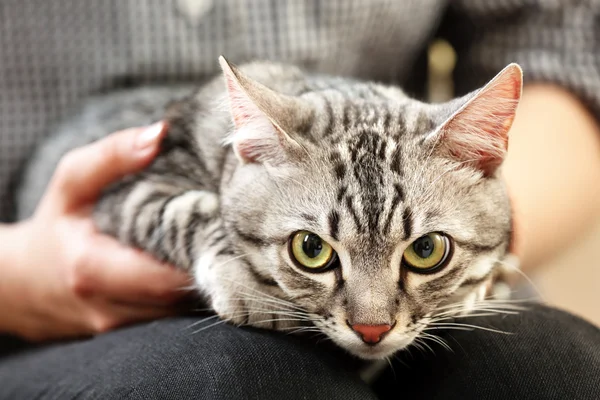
{"points": [[243, 310], [508, 273], [207, 202], [247, 304], [238, 298], [473, 299]]}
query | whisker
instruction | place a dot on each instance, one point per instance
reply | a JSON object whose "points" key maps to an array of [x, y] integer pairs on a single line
{"points": [[451, 325], [270, 303], [322, 337], [397, 356], [207, 309], [437, 339], [209, 326], [267, 303], [499, 306], [189, 288], [389, 361], [420, 343], [434, 328], [230, 260], [303, 316], [454, 312], [524, 275], [291, 306], [295, 330], [276, 320], [201, 321], [466, 316], [491, 302], [282, 301]]}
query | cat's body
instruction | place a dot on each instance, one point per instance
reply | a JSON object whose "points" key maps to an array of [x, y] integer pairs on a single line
{"points": [[360, 166]]}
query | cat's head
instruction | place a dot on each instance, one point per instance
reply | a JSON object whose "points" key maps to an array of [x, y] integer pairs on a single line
{"points": [[367, 209]]}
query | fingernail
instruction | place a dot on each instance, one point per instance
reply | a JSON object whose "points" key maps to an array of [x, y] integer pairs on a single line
{"points": [[149, 135]]}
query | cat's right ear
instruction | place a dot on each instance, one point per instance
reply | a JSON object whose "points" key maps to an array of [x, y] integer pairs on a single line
{"points": [[263, 119], [477, 133]]}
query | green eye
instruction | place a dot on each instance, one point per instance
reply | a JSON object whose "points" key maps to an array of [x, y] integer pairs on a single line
{"points": [[311, 252], [427, 253]]}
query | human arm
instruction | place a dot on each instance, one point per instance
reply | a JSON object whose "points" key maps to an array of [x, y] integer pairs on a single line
{"points": [[553, 165], [59, 277], [553, 172]]}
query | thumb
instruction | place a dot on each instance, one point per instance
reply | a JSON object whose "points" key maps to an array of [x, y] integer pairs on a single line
{"points": [[84, 172]]}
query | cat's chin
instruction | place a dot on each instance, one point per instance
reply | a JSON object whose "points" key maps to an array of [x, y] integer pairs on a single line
{"points": [[376, 352], [379, 351]]}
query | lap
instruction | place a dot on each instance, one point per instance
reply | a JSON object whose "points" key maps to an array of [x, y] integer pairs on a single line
{"points": [[544, 353], [548, 354], [169, 359]]}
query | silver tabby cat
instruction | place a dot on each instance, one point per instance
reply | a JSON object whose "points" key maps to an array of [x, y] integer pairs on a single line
{"points": [[298, 199]]}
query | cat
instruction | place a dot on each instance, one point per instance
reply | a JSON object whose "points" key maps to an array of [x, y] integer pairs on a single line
{"points": [[304, 200]]}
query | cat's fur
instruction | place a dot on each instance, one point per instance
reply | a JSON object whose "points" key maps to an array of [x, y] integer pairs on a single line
{"points": [[360, 164]]}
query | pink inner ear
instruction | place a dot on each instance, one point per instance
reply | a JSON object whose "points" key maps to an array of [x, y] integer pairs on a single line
{"points": [[242, 109], [478, 134], [239, 117], [257, 113], [247, 152], [255, 138]]}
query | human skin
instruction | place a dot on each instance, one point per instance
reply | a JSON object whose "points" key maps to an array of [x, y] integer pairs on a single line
{"points": [[553, 173], [61, 278]]}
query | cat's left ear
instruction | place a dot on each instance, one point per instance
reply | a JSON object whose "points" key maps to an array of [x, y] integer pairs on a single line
{"points": [[264, 119], [477, 133]]}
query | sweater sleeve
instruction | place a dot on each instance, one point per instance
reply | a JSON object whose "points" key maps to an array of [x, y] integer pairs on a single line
{"points": [[554, 41]]}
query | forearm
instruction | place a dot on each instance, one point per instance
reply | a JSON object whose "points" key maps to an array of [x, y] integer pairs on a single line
{"points": [[9, 244], [11, 249], [553, 172]]}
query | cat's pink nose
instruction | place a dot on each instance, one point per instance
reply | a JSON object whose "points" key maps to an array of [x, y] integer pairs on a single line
{"points": [[371, 333]]}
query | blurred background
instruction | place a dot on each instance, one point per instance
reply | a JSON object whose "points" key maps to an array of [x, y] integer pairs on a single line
{"points": [[572, 281]]}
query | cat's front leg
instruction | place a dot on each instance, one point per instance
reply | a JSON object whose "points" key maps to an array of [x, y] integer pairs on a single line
{"points": [[236, 295], [184, 227], [167, 221]]}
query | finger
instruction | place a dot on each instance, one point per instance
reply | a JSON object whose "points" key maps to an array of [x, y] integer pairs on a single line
{"points": [[84, 172], [124, 274]]}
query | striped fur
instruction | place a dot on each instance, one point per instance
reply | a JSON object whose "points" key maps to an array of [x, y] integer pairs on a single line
{"points": [[364, 174]]}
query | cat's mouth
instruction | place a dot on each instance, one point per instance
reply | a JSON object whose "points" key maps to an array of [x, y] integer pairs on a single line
{"points": [[382, 349], [388, 343]]}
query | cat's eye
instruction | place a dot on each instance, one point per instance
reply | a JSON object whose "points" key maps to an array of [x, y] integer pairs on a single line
{"points": [[311, 252], [428, 253]]}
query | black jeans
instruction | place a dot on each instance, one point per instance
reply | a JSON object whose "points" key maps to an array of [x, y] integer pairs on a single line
{"points": [[548, 355]]}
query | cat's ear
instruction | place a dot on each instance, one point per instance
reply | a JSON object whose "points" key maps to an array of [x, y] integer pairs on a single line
{"points": [[263, 119], [477, 133]]}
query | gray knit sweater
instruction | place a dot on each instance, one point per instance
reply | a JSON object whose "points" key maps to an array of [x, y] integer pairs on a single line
{"points": [[55, 53]]}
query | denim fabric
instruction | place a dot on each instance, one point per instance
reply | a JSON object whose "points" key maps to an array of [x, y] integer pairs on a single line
{"points": [[549, 355]]}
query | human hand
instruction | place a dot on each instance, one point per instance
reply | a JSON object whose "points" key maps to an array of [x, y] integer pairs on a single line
{"points": [[65, 279]]}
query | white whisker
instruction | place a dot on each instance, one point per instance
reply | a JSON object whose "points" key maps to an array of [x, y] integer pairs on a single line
{"points": [[277, 320], [418, 343], [452, 325], [524, 275], [209, 326], [290, 304], [437, 339], [201, 321]]}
